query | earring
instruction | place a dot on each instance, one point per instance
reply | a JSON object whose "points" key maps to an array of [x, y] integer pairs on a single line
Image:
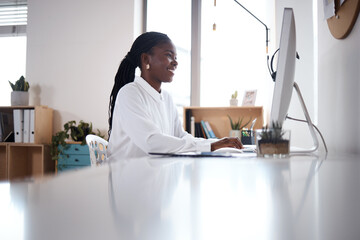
{"points": [[147, 66]]}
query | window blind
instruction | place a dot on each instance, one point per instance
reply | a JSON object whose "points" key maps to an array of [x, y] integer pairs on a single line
{"points": [[13, 17]]}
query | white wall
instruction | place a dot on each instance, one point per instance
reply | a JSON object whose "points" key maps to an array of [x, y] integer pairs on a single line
{"points": [[73, 51], [339, 76]]}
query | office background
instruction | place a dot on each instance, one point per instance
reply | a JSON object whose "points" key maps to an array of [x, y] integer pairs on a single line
{"points": [[72, 57]]}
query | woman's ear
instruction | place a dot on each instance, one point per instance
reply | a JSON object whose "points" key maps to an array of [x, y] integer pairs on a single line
{"points": [[145, 60]]}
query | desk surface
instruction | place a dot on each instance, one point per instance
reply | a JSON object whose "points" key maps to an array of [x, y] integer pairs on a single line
{"points": [[185, 198]]}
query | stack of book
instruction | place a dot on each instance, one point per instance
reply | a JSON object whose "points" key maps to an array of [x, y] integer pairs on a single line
{"points": [[201, 129]]}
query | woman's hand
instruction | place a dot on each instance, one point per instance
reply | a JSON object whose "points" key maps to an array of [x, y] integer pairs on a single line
{"points": [[227, 142]]}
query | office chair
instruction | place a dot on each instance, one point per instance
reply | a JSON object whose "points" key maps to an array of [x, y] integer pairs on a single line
{"points": [[97, 149]]}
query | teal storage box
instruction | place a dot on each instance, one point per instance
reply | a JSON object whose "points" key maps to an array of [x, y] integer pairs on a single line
{"points": [[73, 156]]}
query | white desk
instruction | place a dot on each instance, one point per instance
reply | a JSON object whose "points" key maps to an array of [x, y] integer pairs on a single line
{"points": [[184, 198]]}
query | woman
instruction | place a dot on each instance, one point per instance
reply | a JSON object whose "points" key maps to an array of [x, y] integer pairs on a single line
{"points": [[143, 117]]}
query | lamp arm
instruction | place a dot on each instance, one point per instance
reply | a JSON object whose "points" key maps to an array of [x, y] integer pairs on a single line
{"points": [[266, 28]]}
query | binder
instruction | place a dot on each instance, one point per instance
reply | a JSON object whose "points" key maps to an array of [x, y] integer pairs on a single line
{"points": [[18, 125], [26, 126], [192, 126], [32, 126]]}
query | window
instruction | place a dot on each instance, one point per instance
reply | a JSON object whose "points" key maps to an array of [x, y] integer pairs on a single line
{"points": [[12, 62], [232, 58], [13, 20], [176, 23]]}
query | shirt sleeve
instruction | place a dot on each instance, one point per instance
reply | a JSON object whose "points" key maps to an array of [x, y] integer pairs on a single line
{"points": [[135, 115], [203, 145]]}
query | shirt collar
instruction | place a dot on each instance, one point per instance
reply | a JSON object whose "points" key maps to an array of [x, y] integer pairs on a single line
{"points": [[148, 88]]}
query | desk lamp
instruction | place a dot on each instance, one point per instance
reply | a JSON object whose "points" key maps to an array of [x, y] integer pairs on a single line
{"points": [[266, 40], [266, 28]]}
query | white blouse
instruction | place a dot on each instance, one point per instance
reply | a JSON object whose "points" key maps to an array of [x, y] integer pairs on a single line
{"points": [[145, 121]]}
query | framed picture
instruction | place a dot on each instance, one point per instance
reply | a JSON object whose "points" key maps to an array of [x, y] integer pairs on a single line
{"points": [[249, 98]]}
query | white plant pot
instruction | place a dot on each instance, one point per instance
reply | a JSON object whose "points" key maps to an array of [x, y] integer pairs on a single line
{"points": [[235, 133], [233, 102], [19, 98]]}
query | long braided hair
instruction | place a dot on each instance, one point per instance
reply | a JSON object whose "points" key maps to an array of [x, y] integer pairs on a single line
{"points": [[126, 72]]}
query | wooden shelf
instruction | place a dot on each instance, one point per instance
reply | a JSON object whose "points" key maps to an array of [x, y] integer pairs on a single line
{"points": [[43, 121], [21, 160], [29, 160], [218, 117]]}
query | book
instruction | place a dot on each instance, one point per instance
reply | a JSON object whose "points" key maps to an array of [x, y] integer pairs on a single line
{"points": [[211, 132], [188, 120], [198, 131], [206, 131]]}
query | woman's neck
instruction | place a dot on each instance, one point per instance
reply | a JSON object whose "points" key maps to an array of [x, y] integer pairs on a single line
{"points": [[153, 83]]}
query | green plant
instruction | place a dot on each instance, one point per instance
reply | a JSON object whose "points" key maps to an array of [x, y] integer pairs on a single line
{"points": [[73, 132], [273, 134], [238, 124], [273, 141], [20, 85], [234, 96]]}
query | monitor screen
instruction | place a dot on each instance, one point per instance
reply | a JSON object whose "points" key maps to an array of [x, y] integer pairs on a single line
{"points": [[285, 69]]}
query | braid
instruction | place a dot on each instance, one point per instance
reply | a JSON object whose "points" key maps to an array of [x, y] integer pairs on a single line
{"points": [[126, 72]]}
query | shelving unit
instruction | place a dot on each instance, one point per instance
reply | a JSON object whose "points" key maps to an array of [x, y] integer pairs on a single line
{"points": [[218, 117], [21, 160]]}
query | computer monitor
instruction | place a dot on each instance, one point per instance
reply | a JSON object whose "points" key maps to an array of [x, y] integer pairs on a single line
{"points": [[284, 81], [285, 72]]}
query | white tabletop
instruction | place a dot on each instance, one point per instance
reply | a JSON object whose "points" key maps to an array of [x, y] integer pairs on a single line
{"points": [[189, 198]]}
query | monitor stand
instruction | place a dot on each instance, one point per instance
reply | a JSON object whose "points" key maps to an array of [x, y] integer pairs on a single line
{"points": [[310, 124]]}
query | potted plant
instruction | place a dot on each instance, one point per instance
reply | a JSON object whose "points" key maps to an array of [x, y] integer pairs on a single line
{"points": [[20, 94], [237, 126], [233, 99], [71, 131], [273, 141]]}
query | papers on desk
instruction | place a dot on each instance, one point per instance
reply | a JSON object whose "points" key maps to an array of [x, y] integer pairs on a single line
{"points": [[246, 149], [193, 154], [205, 154]]}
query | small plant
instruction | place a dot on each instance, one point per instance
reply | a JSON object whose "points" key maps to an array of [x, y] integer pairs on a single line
{"points": [[271, 141], [238, 124], [73, 132], [274, 134], [234, 96], [20, 85]]}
